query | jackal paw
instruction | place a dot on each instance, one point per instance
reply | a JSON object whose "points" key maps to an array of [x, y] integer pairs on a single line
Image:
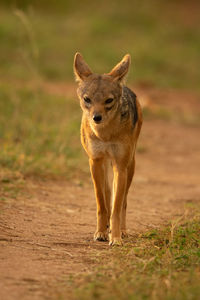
{"points": [[101, 236], [124, 233], [116, 241]]}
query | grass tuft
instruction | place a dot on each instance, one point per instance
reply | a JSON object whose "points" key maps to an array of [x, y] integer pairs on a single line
{"points": [[154, 265]]}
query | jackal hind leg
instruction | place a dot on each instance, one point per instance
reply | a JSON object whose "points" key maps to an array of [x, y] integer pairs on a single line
{"points": [[107, 191], [130, 175]]}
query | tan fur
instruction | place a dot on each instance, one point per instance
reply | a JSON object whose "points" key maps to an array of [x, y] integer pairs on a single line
{"points": [[112, 140]]}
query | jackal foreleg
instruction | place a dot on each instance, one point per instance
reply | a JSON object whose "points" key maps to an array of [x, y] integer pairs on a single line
{"points": [[119, 191], [98, 177]]}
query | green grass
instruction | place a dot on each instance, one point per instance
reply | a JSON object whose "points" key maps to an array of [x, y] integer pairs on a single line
{"points": [[161, 264], [39, 133]]}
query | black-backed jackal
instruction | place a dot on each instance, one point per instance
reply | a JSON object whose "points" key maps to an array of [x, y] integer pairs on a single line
{"points": [[110, 127]]}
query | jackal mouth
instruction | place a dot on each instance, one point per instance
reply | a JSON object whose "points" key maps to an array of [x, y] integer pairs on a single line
{"points": [[97, 122]]}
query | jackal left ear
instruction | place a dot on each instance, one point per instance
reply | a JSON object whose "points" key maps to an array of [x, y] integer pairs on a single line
{"points": [[121, 69], [81, 69]]}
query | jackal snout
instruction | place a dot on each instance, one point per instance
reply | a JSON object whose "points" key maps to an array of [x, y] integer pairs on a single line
{"points": [[97, 118]]}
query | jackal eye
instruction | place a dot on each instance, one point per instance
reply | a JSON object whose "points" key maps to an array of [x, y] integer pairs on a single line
{"points": [[87, 100], [109, 100]]}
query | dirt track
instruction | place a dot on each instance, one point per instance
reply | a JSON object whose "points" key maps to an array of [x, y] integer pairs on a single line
{"points": [[48, 234]]}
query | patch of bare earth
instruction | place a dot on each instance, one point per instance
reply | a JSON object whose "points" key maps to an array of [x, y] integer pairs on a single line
{"points": [[47, 233]]}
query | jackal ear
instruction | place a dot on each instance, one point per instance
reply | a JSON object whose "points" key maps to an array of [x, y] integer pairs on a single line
{"points": [[121, 69], [81, 69]]}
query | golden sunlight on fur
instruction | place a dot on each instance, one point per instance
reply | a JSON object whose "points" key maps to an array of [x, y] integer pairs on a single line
{"points": [[110, 128]]}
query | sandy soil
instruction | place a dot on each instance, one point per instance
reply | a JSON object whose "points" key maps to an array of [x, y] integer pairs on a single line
{"points": [[47, 233]]}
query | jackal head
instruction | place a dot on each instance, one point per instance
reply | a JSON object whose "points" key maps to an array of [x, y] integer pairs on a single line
{"points": [[100, 95]]}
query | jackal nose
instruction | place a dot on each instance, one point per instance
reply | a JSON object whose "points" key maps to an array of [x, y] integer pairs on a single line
{"points": [[97, 118]]}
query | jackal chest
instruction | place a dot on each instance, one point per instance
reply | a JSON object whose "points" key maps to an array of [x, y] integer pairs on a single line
{"points": [[98, 149]]}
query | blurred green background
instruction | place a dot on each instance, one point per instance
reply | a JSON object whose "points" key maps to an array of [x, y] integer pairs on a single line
{"points": [[163, 38], [39, 130]]}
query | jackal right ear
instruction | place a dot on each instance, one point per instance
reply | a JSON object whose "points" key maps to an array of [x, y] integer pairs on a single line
{"points": [[81, 69]]}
